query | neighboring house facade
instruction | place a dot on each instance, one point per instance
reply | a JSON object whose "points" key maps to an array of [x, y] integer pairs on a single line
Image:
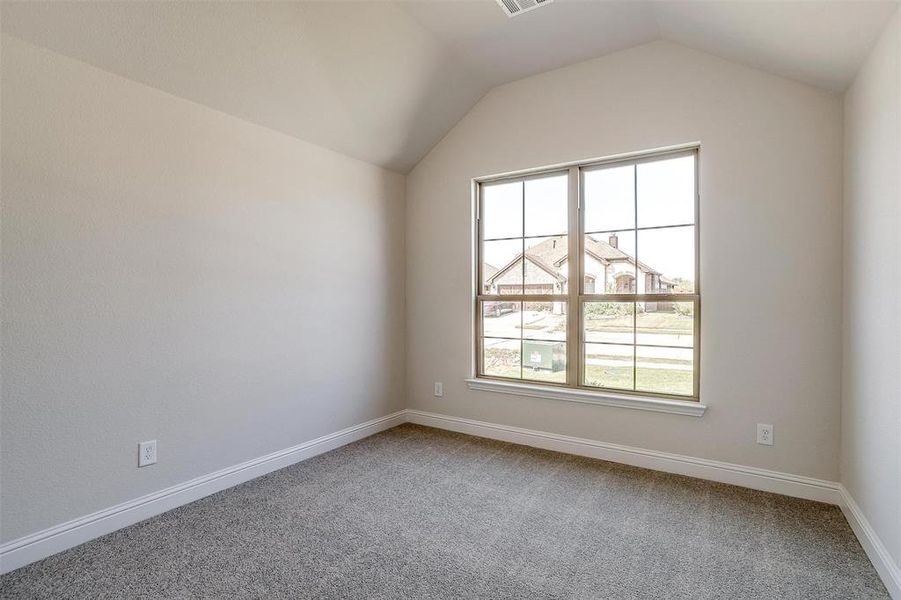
{"points": [[607, 270]]}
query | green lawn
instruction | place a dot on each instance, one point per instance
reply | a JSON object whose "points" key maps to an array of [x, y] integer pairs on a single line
{"points": [[652, 323], [505, 363], [667, 381], [644, 359], [659, 323]]}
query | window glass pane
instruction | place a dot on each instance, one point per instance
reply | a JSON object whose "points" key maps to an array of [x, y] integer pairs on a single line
{"points": [[664, 370], [665, 323], [609, 263], [501, 210], [546, 265], [544, 360], [666, 191], [502, 319], [668, 256], [609, 196], [609, 322], [545, 205], [501, 358], [502, 267], [608, 365], [544, 321]]}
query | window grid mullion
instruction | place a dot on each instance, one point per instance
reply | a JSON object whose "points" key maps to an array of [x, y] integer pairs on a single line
{"points": [[639, 297], [522, 241], [635, 281], [574, 285], [523, 298], [480, 254], [522, 287]]}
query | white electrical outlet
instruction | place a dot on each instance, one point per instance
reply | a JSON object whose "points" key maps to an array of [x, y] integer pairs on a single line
{"points": [[439, 389], [147, 453], [764, 434]]}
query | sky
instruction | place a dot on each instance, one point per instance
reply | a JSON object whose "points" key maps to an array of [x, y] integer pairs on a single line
{"points": [[538, 208]]}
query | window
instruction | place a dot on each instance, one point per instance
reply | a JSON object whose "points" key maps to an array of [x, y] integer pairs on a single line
{"points": [[587, 276]]}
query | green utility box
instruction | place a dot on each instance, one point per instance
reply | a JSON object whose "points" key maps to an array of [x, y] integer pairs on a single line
{"points": [[548, 356]]}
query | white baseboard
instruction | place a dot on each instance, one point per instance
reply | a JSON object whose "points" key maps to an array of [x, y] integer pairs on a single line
{"points": [[877, 552], [42, 544], [749, 477]]}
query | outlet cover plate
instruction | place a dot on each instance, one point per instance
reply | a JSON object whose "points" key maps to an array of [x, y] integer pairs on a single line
{"points": [[147, 453], [764, 434]]}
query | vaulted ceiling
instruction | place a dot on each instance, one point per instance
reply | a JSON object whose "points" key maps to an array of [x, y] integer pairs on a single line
{"points": [[384, 81]]}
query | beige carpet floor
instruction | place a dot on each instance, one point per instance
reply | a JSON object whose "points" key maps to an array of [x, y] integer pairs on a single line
{"points": [[420, 513]]}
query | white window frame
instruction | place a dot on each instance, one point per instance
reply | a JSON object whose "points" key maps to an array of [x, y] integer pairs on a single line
{"points": [[574, 389]]}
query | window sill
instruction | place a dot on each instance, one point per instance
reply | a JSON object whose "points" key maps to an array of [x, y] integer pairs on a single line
{"points": [[676, 407]]}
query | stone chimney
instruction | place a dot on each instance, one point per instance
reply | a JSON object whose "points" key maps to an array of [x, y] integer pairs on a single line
{"points": [[613, 240]]}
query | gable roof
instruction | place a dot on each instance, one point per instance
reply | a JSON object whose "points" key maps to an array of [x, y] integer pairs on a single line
{"points": [[553, 252], [535, 260], [488, 271]]}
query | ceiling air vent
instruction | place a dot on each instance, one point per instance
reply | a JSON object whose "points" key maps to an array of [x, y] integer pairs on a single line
{"points": [[517, 7]]}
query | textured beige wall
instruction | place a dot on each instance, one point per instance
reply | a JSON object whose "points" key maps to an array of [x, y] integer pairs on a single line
{"points": [[771, 181], [871, 402], [173, 273]]}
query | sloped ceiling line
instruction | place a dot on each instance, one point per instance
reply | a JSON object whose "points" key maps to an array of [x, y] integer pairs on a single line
{"points": [[385, 81]]}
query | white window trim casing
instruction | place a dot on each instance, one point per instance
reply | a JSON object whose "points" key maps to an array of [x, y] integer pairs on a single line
{"points": [[602, 397]]}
